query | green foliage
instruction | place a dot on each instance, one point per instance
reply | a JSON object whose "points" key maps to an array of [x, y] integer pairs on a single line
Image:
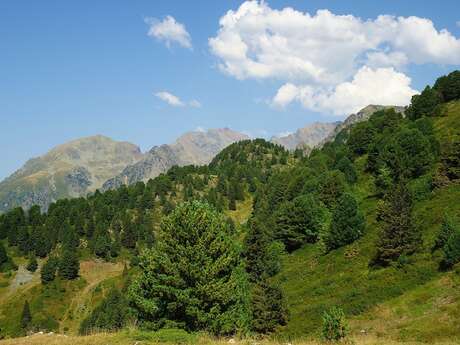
{"points": [[112, 314], [6, 263], [69, 265], [335, 327], [348, 169], [450, 159], [399, 236], [26, 316], [360, 137], [452, 250], [299, 221], [32, 265], [194, 278], [48, 271], [331, 186], [268, 307], [347, 223], [449, 86], [447, 230], [408, 154], [425, 104]]}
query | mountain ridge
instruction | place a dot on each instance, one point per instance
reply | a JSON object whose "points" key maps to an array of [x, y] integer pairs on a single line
{"points": [[191, 148]]}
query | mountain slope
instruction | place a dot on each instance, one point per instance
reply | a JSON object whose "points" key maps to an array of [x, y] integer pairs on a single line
{"points": [[310, 135], [197, 148], [360, 116], [68, 170]]}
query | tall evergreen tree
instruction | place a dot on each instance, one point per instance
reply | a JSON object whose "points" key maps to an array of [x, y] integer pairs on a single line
{"points": [[26, 316], [48, 271], [299, 221], [32, 264], [194, 278], [398, 237], [267, 307], [347, 223], [69, 265]]}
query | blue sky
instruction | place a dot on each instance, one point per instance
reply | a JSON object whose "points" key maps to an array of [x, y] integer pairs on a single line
{"points": [[73, 69]]}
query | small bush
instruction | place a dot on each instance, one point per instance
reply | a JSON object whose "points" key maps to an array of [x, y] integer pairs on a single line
{"points": [[335, 327]]}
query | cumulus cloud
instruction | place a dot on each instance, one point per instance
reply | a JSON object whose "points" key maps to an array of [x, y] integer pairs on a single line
{"points": [[326, 52], [257, 41], [382, 86], [169, 31]]}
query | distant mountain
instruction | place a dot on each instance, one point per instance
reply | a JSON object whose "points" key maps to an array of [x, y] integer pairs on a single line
{"points": [[361, 115], [197, 147], [310, 135], [69, 170]]}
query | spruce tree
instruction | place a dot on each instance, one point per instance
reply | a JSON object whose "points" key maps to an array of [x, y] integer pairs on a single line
{"points": [[110, 315], [194, 278], [446, 231], [3, 255], [267, 307], [451, 250], [32, 265], [48, 271], [398, 236], [69, 265], [299, 221], [347, 223], [26, 316]]}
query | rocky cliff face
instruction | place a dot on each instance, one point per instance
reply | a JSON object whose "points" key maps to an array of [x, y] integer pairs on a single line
{"points": [[308, 136], [69, 170], [198, 148]]}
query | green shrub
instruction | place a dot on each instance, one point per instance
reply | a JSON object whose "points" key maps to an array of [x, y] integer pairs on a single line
{"points": [[452, 250], [335, 327]]}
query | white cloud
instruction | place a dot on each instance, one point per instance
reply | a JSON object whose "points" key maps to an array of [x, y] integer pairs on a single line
{"points": [[170, 31], [170, 98], [200, 129], [257, 41], [327, 52], [382, 86], [194, 103], [175, 101], [458, 23]]}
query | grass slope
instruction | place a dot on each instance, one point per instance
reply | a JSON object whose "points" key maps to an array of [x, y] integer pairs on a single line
{"points": [[413, 302]]}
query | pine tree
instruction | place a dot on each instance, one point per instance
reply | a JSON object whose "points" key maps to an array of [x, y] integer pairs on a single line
{"points": [[299, 221], [110, 315], [48, 271], [447, 230], [347, 223], [69, 265], [451, 250], [398, 237], [3, 255], [194, 278], [348, 169], [26, 316], [32, 265], [268, 308]]}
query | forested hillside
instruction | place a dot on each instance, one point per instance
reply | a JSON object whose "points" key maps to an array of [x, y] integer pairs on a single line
{"points": [[260, 241]]}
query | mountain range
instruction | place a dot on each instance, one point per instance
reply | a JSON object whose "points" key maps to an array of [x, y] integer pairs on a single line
{"points": [[81, 166]]}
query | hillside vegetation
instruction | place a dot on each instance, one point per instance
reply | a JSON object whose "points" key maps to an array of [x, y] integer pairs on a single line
{"points": [[358, 240]]}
